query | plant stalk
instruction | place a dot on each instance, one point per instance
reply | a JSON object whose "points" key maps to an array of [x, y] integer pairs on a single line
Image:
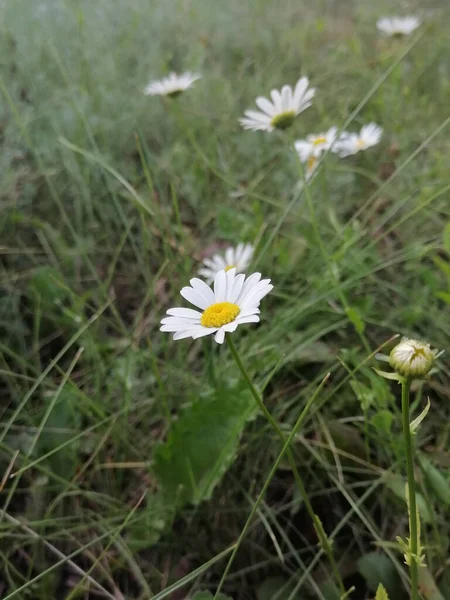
{"points": [[409, 451]]}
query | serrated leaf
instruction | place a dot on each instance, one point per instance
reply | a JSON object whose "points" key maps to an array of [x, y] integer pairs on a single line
{"points": [[202, 443], [381, 593], [418, 420], [378, 568], [437, 482], [397, 485]]}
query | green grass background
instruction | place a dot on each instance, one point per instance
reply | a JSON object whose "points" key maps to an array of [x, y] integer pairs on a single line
{"points": [[110, 199]]}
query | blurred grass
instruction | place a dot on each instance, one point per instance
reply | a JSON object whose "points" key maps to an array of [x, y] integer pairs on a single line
{"points": [[109, 201]]}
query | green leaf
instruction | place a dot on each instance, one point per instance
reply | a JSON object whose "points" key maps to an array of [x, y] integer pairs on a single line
{"points": [[355, 318], [443, 265], [446, 237], [428, 586], [437, 482], [413, 426], [445, 296], [388, 375], [381, 593], [396, 484], [377, 568], [382, 421], [202, 443], [276, 588]]}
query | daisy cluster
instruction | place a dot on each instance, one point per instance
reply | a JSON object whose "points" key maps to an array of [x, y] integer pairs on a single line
{"points": [[234, 297]]}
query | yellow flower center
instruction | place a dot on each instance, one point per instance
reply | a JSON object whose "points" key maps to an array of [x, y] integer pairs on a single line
{"points": [[283, 120], [360, 144], [319, 140], [219, 314], [311, 162], [229, 267]]}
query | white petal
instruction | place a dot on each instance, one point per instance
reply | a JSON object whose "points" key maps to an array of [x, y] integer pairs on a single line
{"points": [[220, 286], [203, 332], [251, 281], [276, 99], [186, 313], [266, 106], [248, 319], [230, 327], [179, 323], [286, 98], [185, 333], [259, 117], [229, 257], [220, 336], [203, 289], [237, 287], [194, 297]]}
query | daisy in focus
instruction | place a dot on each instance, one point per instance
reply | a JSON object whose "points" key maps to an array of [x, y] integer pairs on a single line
{"points": [[351, 143], [234, 300], [310, 149], [279, 113], [398, 26], [172, 85], [238, 257]]}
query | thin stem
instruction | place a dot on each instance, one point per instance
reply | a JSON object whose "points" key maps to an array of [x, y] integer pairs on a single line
{"points": [[323, 539], [413, 542]]}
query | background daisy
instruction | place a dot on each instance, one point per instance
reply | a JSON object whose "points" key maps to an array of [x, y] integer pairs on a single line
{"points": [[398, 25], [234, 301], [281, 112], [172, 85], [351, 143], [238, 257]]}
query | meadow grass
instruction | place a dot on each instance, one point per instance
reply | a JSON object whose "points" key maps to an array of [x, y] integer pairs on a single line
{"points": [[131, 463]]}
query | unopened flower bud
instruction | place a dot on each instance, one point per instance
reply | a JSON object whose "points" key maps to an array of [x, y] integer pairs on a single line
{"points": [[411, 358]]}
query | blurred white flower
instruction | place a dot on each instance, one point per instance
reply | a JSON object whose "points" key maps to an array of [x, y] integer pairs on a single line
{"points": [[310, 149], [411, 358], [172, 85], [281, 112], [234, 301], [316, 143], [351, 143], [238, 257], [398, 25]]}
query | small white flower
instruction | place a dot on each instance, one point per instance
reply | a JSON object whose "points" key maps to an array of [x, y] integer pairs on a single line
{"points": [[351, 143], [398, 25], [281, 112], [234, 301], [411, 358], [172, 85], [238, 257], [316, 143]]}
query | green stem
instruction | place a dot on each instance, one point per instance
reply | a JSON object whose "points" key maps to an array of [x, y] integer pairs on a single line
{"points": [[323, 539], [413, 542]]}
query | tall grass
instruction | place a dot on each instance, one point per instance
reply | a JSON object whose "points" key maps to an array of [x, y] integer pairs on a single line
{"points": [[109, 202]]}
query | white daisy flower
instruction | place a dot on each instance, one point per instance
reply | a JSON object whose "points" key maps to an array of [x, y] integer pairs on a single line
{"points": [[234, 301], [316, 143], [238, 257], [412, 358], [281, 112], [172, 85], [351, 143], [398, 25]]}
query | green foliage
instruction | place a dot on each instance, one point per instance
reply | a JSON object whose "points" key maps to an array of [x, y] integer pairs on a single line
{"points": [[378, 569], [208, 596], [202, 443]]}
